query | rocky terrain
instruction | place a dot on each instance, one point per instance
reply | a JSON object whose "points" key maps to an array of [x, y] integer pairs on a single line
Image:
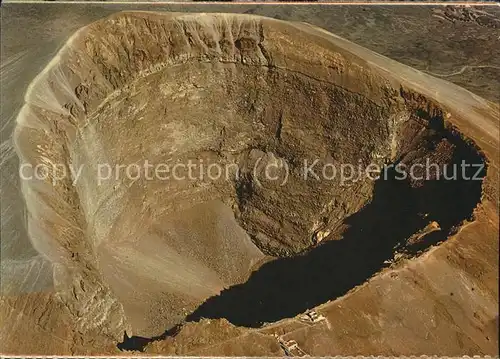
{"points": [[134, 257]]}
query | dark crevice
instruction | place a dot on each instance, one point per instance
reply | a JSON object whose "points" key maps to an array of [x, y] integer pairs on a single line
{"points": [[134, 343], [279, 127], [137, 343]]}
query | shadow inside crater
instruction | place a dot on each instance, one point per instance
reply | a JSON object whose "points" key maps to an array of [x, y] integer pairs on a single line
{"points": [[287, 287]]}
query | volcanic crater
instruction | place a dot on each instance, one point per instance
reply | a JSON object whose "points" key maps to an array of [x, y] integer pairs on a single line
{"points": [[143, 255]]}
